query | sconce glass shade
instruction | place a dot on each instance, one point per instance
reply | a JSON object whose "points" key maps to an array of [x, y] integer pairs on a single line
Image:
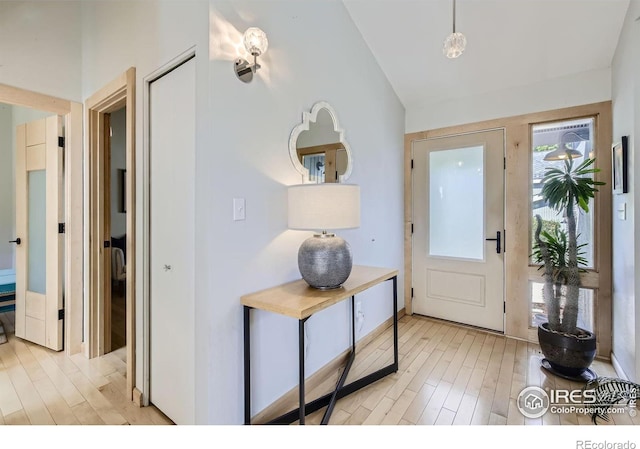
{"points": [[454, 45], [255, 41]]}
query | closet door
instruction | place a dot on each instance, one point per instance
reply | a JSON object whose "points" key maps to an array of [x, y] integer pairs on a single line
{"points": [[172, 243]]}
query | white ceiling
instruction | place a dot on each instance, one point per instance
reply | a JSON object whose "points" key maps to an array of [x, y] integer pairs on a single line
{"points": [[510, 43]]}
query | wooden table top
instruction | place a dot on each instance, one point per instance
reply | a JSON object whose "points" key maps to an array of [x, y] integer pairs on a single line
{"points": [[298, 300]]}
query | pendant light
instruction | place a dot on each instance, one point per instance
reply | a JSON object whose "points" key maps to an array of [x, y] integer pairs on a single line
{"points": [[455, 43]]}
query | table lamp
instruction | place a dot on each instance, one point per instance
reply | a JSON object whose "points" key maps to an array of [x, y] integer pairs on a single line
{"points": [[325, 259]]}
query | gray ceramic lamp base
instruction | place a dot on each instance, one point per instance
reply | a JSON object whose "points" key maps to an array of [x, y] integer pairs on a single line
{"points": [[325, 261]]}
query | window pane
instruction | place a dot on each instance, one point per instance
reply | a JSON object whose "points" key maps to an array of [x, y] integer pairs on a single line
{"points": [[548, 140], [315, 164], [539, 313], [456, 203], [37, 260]]}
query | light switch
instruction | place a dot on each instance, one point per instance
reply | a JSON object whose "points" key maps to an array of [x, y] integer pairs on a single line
{"points": [[622, 211], [238, 209]]}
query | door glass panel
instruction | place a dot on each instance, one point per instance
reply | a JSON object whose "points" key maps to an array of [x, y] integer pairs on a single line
{"points": [[456, 203], [37, 256]]}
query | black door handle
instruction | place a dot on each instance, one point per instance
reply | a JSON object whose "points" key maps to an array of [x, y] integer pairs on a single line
{"points": [[498, 239], [16, 241]]}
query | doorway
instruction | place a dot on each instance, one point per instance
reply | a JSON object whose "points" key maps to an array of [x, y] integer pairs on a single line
{"points": [[111, 218], [458, 236], [21, 106], [520, 200], [116, 212]]}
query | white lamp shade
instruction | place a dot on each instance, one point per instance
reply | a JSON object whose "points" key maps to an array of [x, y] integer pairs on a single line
{"points": [[325, 206]]}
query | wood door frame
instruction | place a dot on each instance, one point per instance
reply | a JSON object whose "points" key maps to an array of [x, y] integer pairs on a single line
{"points": [[518, 273], [117, 94], [73, 246]]}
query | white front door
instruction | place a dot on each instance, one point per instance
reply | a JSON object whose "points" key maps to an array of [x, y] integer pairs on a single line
{"points": [[39, 252], [172, 243], [458, 207]]}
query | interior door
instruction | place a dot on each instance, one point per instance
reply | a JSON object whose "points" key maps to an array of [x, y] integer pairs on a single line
{"points": [[39, 218], [172, 243], [458, 218]]}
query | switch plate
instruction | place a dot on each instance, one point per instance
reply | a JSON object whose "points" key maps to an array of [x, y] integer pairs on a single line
{"points": [[239, 212], [622, 211]]}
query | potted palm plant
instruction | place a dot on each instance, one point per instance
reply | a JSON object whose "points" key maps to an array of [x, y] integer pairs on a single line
{"points": [[568, 349]]}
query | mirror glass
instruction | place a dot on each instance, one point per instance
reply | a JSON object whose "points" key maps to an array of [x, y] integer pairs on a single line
{"points": [[317, 147]]}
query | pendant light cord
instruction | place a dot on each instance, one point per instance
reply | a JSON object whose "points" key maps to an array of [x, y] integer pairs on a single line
{"points": [[454, 16]]}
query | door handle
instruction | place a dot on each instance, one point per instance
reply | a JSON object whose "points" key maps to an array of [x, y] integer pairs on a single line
{"points": [[498, 239], [16, 241]]}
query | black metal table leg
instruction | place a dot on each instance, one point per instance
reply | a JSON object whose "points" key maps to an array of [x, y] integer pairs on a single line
{"points": [[341, 390], [247, 366], [395, 322], [345, 372], [301, 397]]}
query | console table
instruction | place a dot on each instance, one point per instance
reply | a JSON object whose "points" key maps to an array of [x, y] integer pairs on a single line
{"points": [[297, 300]]}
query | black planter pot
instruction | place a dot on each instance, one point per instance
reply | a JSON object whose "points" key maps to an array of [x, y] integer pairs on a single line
{"points": [[568, 355]]}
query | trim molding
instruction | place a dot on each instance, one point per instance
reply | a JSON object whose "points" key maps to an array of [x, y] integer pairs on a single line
{"points": [[290, 399], [618, 367]]}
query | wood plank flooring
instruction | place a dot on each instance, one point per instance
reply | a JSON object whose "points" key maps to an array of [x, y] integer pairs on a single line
{"points": [[449, 375], [40, 386]]}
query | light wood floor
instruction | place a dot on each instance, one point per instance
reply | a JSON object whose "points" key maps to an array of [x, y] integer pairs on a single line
{"points": [[39, 386], [450, 375]]}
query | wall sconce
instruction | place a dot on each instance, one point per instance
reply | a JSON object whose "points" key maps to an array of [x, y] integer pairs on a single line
{"points": [[256, 43]]}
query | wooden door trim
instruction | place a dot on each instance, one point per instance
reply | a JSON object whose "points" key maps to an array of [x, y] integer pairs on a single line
{"points": [[117, 94], [74, 242], [517, 202]]}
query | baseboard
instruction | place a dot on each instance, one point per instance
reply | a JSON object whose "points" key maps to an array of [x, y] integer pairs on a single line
{"points": [[137, 397], [616, 366], [289, 400]]}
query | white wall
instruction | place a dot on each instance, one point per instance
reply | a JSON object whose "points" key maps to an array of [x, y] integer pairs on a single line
{"points": [[315, 53], [118, 162], [40, 47], [40, 51], [626, 242], [7, 191], [574, 90]]}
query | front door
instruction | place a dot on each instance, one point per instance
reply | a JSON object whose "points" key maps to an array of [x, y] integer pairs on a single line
{"points": [[458, 219], [39, 222]]}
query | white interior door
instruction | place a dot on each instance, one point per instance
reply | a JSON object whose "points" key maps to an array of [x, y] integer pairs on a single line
{"points": [[458, 203], [39, 253], [172, 243]]}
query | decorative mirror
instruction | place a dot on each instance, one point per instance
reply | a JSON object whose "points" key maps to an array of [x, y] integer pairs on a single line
{"points": [[317, 147]]}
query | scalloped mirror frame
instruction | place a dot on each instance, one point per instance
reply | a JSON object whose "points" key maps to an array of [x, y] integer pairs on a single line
{"points": [[307, 118]]}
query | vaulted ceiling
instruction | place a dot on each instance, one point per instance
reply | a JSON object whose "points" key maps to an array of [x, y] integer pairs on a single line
{"points": [[510, 43]]}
